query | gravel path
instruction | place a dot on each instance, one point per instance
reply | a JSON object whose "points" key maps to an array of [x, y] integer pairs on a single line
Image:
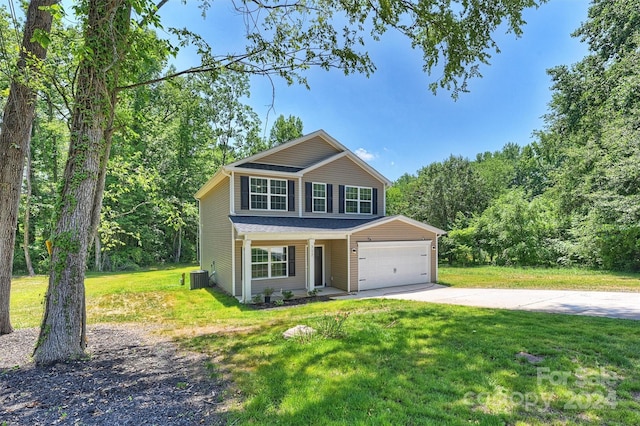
{"points": [[131, 378]]}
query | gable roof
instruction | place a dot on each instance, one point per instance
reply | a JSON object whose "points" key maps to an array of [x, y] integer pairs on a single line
{"points": [[285, 145], [405, 219], [253, 162]]}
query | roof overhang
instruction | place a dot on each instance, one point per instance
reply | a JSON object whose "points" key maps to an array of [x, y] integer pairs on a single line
{"points": [[290, 236], [261, 228], [260, 172], [211, 183]]}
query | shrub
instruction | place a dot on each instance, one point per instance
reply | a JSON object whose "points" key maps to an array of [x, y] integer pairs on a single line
{"points": [[287, 294], [332, 326]]}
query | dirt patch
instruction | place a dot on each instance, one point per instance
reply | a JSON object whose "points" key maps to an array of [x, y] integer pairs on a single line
{"points": [[532, 359], [130, 378]]}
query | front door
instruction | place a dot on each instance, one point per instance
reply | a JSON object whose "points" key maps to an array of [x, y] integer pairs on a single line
{"points": [[318, 267]]}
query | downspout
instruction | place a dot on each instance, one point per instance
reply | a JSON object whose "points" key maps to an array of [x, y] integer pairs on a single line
{"points": [[233, 262], [231, 177], [384, 199], [200, 234], [437, 260], [348, 263], [300, 196]]}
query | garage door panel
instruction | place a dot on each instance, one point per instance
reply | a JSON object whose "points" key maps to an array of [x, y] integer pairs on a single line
{"points": [[398, 263]]}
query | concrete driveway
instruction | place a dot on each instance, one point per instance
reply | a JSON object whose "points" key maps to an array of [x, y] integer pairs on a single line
{"points": [[591, 303]]}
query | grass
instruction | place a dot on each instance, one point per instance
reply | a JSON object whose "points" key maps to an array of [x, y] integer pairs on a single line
{"points": [[538, 278], [391, 362]]}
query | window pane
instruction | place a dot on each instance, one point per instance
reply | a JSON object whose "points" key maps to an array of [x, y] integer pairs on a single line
{"points": [[319, 205], [351, 193], [278, 202], [258, 185], [365, 193], [259, 255], [258, 201], [260, 270], [319, 190], [352, 207], [278, 254], [365, 207], [279, 187], [278, 269]]}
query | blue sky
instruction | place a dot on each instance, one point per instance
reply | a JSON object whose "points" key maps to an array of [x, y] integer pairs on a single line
{"points": [[392, 119]]}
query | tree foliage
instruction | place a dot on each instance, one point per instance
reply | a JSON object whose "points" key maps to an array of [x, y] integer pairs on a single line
{"points": [[573, 195], [285, 129]]}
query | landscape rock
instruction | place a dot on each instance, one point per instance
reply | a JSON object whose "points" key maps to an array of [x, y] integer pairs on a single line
{"points": [[298, 330]]}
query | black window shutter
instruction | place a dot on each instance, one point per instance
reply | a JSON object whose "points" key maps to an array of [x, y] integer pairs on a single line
{"points": [[244, 192], [291, 253], [329, 198], [375, 200], [341, 199], [291, 194], [308, 196]]}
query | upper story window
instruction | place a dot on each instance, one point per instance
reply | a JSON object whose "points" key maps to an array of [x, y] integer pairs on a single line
{"points": [[358, 199], [268, 194], [319, 197]]}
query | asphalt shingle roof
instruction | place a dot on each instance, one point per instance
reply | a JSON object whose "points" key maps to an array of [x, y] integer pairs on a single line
{"points": [[272, 167], [248, 224]]}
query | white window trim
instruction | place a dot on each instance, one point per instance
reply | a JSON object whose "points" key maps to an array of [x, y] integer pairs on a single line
{"points": [[313, 197], [270, 262], [268, 194], [358, 200]]}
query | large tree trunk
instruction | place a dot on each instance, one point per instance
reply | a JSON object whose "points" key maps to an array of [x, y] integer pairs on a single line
{"points": [[14, 143], [62, 333], [27, 213]]}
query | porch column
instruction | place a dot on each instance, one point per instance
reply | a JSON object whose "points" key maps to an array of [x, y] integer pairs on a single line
{"points": [[312, 265], [246, 271]]}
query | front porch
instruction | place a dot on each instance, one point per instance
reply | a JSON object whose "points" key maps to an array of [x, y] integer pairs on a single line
{"points": [[299, 266]]}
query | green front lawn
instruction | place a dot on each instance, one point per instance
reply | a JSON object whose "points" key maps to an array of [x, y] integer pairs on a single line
{"points": [[538, 278], [397, 362]]}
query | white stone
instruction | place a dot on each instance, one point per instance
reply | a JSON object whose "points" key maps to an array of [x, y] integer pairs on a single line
{"points": [[298, 330]]}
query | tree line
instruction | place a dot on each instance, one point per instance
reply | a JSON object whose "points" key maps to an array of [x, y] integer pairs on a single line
{"points": [[571, 197]]}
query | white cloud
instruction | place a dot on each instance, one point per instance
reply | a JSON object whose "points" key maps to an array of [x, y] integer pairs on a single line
{"points": [[365, 155]]}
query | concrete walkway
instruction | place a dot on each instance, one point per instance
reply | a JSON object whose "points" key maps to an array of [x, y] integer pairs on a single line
{"points": [[592, 303]]}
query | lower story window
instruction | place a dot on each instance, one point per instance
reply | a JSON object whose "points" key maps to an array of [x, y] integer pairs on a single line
{"points": [[268, 262]]}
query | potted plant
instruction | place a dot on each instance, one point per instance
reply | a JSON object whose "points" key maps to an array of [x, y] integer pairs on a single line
{"points": [[267, 292]]}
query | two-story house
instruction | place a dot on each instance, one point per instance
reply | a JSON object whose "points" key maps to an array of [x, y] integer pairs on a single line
{"points": [[308, 214]]}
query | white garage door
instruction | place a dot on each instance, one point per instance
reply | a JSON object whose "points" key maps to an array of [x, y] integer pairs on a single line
{"points": [[393, 263]]}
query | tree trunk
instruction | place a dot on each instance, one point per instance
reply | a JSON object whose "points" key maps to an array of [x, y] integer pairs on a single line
{"points": [[62, 333], [27, 214], [14, 143], [178, 252], [98, 254]]}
